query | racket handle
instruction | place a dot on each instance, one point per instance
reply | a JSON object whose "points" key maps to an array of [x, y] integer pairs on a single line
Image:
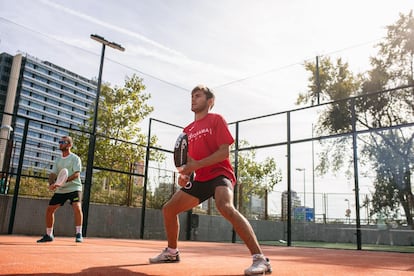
{"points": [[181, 168], [183, 180]]}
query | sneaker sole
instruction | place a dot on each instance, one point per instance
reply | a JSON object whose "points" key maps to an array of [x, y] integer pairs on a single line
{"points": [[266, 272], [43, 241], [164, 262]]}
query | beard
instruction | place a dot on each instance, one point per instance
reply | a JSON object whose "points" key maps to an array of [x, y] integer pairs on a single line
{"points": [[200, 108]]}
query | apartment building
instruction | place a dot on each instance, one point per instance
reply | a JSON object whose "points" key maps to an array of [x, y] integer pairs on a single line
{"points": [[57, 100]]}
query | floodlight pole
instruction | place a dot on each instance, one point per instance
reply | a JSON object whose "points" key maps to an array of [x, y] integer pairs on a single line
{"points": [[92, 137], [304, 190], [5, 156], [349, 206], [304, 184], [4, 136]]}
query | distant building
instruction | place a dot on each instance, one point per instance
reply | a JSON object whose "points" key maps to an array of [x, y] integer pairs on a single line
{"points": [[45, 92], [256, 205], [295, 200]]}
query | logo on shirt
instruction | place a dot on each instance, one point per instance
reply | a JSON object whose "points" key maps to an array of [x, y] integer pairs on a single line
{"points": [[201, 132]]}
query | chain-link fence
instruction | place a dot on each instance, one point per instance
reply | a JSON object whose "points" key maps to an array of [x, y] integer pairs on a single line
{"points": [[339, 182]]}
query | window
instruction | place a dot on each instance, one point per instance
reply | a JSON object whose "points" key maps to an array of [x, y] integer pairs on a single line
{"points": [[43, 70], [66, 106], [54, 93], [48, 128], [50, 120], [51, 110], [52, 101], [38, 87], [66, 97], [36, 106], [33, 134], [55, 75], [42, 79], [37, 96], [35, 124], [34, 115], [63, 123]]}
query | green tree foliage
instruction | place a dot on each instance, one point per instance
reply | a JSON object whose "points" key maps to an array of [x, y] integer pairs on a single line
{"points": [[255, 178], [32, 183], [389, 152], [392, 166], [161, 195], [336, 81], [120, 144]]}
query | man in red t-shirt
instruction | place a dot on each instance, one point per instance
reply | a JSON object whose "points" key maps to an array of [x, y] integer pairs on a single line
{"points": [[209, 141]]}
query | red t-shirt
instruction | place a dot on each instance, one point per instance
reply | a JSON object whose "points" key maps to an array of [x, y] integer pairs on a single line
{"points": [[205, 136]]}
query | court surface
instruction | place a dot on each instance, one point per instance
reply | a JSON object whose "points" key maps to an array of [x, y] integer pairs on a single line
{"points": [[21, 255]]}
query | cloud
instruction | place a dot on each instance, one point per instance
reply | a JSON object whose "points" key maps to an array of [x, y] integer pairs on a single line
{"points": [[152, 49], [113, 27]]}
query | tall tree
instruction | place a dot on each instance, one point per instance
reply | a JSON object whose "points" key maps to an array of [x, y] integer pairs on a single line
{"points": [[389, 151], [337, 82], [255, 178], [120, 143]]}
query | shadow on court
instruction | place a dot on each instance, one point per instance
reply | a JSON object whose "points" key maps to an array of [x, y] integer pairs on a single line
{"points": [[105, 270], [21, 255]]}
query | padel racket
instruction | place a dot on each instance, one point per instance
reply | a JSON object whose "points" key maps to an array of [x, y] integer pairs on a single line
{"points": [[180, 150], [62, 177]]}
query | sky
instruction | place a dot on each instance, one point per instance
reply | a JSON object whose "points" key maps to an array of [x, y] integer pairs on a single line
{"points": [[250, 52]]}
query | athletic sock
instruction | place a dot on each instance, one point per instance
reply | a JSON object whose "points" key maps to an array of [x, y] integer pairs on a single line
{"points": [[49, 231], [172, 250], [257, 256], [79, 229]]}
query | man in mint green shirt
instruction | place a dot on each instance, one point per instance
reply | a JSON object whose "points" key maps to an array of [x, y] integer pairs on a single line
{"points": [[71, 190]]}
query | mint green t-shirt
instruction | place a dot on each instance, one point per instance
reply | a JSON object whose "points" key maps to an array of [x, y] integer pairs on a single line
{"points": [[73, 164]]}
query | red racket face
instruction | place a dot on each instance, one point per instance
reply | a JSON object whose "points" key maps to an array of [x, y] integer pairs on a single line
{"points": [[180, 150]]}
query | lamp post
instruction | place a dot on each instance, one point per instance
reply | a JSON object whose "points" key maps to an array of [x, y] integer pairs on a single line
{"points": [[92, 137], [5, 131], [5, 156], [304, 185], [348, 211], [304, 192], [313, 176], [9, 130]]}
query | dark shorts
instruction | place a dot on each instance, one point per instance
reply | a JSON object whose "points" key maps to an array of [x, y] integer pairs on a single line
{"points": [[62, 198], [205, 190]]}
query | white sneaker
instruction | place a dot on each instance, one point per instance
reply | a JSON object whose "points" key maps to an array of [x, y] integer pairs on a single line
{"points": [[165, 257], [260, 266]]}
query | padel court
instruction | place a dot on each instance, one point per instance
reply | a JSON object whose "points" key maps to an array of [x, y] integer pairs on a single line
{"points": [[21, 255]]}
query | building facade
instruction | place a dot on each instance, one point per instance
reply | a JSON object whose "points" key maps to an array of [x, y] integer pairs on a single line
{"points": [[55, 99], [295, 202]]}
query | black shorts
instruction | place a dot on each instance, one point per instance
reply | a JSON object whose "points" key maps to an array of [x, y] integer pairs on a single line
{"points": [[61, 198], [205, 190]]}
